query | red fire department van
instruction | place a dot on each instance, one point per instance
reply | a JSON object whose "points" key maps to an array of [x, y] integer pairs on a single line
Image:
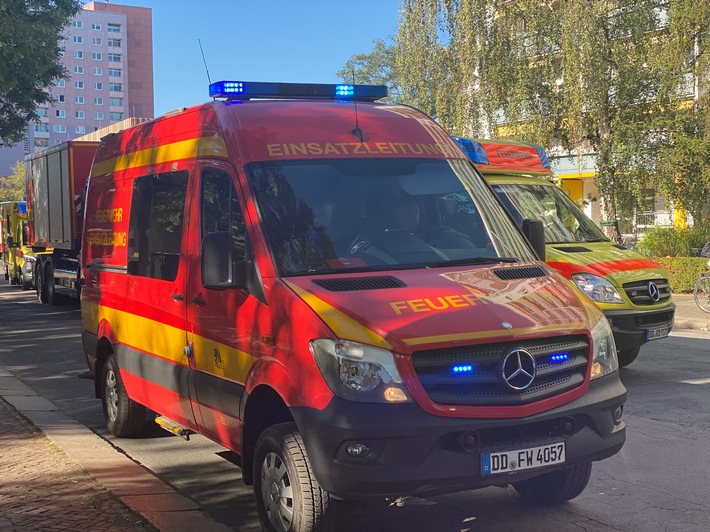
{"points": [[272, 270]]}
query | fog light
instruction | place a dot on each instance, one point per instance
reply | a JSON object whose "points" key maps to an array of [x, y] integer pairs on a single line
{"points": [[358, 450], [617, 414], [568, 426], [469, 441]]}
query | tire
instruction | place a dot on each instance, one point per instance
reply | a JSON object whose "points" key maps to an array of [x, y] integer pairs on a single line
{"points": [[124, 417], [702, 293], [26, 285], [39, 285], [556, 487], [628, 355], [288, 497], [49, 290]]}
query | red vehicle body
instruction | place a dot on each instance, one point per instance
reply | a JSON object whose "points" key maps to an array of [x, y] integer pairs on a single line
{"points": [[56, 182], [236, 282]]}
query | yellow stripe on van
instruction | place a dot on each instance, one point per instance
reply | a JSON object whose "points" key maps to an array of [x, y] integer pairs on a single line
{"points": [[340, 323], [154, 337], [174, 151], [491, 334], [221, 360]]}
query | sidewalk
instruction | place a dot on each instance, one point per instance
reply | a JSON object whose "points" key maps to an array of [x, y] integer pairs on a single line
{"points": [[59, 475]]}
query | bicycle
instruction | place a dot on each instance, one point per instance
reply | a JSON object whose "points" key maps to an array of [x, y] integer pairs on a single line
{"points": [[701, 293]]}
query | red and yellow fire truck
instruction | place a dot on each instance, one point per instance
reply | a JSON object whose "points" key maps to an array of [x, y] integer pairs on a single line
{"points": [[633, 291], [272, 270]]}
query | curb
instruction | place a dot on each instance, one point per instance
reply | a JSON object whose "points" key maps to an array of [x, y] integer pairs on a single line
{"points": [[138, 488], [696, 325]]}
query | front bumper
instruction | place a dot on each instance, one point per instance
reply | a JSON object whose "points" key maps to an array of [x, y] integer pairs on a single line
{"points": [[416, 453], [631, 326]]}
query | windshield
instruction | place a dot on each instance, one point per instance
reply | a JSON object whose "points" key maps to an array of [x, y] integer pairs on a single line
{"points": [[378, 214], [563, 220]]}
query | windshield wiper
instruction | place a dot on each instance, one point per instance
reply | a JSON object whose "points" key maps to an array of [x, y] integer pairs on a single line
{"points": [[471, 261]]}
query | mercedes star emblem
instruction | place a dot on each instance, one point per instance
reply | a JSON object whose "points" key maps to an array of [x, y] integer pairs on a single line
{"points": [[653, 291], [518, 369]]}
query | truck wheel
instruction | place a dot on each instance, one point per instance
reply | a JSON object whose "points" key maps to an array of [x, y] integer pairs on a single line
{"points": [[39, 285], [49, 284], [124, 417], [556, 487], [288, 497], [26, 285], [628, 355]]}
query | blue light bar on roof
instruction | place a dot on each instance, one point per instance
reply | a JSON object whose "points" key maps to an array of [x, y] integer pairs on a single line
{"points": [[473, 149], [543, 156], [247, 90]]}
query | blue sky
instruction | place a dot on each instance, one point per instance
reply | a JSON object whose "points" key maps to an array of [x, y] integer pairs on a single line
{"points": [[267, 40]]}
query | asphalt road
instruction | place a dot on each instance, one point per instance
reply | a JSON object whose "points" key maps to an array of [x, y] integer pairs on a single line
{"points": [[659, 481]]}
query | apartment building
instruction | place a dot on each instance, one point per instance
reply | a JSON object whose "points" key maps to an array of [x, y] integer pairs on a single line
{"points": [[108, 54]]}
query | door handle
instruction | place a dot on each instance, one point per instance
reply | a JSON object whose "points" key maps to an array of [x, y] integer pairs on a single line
{"points": [[178, 297], [199, 301]]}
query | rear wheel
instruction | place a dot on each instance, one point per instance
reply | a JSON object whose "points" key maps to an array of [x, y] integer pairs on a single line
{"points": [[39, 285], [124, 417], [49, 284], [702, 293], [288, 497], [556, 487], [628, 355]]}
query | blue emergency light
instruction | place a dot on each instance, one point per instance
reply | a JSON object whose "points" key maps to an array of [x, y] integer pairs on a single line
{"points": [[543, 156], [559, 358], [247, 90], [462, 369], [473, 149]]}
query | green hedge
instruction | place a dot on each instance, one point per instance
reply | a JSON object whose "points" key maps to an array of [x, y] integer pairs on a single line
{"points": [[671, 242], [683, 271]]}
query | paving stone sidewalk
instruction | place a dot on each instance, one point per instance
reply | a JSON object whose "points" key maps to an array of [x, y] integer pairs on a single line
{"points": [[43, 488]]}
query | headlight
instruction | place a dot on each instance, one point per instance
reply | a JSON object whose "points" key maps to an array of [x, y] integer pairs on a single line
{"points": [[359, 372], [596, 288], [604, 361]]}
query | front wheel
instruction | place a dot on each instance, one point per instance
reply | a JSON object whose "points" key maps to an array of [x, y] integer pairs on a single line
{"points": [[557, 486], [288, 497], [702, 293], [124, 417], [628, 355]]}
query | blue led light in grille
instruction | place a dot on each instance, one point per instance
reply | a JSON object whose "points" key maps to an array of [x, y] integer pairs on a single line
{"points": [[459, 369], [559, 358]]}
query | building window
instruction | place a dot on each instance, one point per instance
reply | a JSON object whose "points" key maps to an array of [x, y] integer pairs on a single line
{"points": [[60, 113], [80, 129], [41, 128], [114, 58], [41, 143], [97, 56], [59, 83], [95, 26], [78, 70], [98, 86], [115, 72], [116, 102], [115, 116], [116, 43], [96, 41], [78, 84], [78, 55], [98, 101], [41, 111], [77, 24], [113, 28], [79, 100], [59, 97], [60, 128], [80, 115], [98, 115], [78, 39], [98, 71], [115, 87]]}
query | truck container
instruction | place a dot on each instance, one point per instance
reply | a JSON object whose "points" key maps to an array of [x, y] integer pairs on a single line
{"points": [[56, 182]]}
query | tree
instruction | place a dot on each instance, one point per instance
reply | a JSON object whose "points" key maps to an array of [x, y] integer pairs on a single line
{"points": [[581, 74], [30, 31], [12, 187], [376, 68]]}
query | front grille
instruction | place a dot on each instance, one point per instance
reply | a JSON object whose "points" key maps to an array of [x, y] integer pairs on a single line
{"points": [[484, 385], [638, 291]]}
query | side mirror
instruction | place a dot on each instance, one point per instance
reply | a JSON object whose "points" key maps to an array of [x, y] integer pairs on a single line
{"points": [[534, 231], [217, 263]]}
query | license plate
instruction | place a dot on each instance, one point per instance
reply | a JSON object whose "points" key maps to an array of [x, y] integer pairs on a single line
{"points": [[655, 334], [510, 461]]}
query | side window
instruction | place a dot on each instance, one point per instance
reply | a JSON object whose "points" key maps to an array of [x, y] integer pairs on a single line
{"points": [[220, 210], [156, 223]]}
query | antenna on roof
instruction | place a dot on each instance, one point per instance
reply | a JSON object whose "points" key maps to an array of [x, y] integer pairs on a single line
{"points": [[357, 132], [204, 61]]}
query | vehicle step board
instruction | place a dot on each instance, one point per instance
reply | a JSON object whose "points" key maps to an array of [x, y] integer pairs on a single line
{"points": [[173, 427]]}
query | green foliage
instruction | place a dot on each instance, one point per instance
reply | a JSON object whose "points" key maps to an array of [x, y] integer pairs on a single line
{"points": [[376, 68], [683, 271], [12, 187], [672, 242], [30, 31]]}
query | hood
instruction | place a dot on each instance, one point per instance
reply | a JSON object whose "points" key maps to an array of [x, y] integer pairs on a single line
{"points": [[413, 309]]}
